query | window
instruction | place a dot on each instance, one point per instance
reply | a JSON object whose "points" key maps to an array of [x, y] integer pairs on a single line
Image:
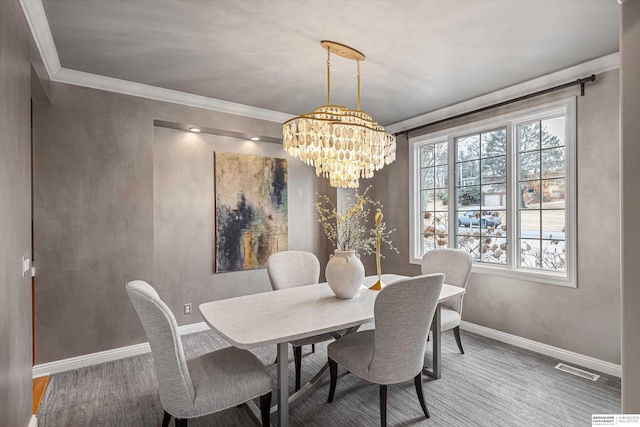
{"points": [[434, 175], [541, 194], [503, 190], [481, 195]]}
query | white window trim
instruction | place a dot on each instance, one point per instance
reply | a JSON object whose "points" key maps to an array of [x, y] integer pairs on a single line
{"points": [[567, 107]]}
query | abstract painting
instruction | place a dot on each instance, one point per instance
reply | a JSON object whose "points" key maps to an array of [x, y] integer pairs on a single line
{"points": [[251, 210]]}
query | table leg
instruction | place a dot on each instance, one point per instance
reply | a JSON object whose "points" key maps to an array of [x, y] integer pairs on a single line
{"points": [[285, 402], [282, 385], [436, 339]]}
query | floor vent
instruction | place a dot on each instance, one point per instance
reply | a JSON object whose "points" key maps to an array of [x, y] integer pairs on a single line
{"points": [[577, 372]]}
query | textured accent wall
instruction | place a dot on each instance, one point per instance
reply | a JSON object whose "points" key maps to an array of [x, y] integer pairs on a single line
{"points": [[184, 224], [630, 126], [15, 216], [585, 320], [107, 211]]}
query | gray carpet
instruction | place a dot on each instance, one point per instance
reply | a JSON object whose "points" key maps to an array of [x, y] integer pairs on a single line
{"points": [[493, 384]]}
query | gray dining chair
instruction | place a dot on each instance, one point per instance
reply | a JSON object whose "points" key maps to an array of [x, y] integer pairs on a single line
{"points": [[289, 269], [205, 384], [393, 352], [455, 264]]}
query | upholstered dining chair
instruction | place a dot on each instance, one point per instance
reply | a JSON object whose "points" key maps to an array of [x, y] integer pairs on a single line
{"points": [[456, 267], [289, 269], [393, 352], [205, 384]]}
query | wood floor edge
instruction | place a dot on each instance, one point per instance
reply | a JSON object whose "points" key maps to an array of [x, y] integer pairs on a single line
{"points": [[39, 386]]}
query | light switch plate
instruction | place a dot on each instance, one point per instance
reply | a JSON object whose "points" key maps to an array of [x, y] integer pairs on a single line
{"points": [[26, 265]]}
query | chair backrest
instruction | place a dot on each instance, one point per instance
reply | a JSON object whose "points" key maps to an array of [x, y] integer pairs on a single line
{"points": [[403, 313], [289, 269], [176, 389], [455, 264]]}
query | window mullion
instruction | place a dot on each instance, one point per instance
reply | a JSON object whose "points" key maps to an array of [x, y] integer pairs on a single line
{"points": [[414, 241], [512, 198], [452, 202]]}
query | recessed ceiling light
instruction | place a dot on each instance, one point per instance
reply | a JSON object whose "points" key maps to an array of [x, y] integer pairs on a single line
{"points": [[195, 130], [255, 138]]}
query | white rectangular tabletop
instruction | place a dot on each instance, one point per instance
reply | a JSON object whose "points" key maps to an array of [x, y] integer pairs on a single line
{"points": [[285, 315]]}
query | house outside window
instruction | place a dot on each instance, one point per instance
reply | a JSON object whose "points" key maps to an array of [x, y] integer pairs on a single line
{"points": [[502, 189]]}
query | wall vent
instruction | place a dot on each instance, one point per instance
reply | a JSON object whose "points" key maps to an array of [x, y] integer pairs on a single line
{"points": [[577, 372]]}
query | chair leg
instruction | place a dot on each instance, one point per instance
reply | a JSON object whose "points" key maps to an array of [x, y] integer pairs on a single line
{"points": [[313, 348], [181, 422], [333, 369], [456, 333], [297, 357], [265, 409], [166, 419], [418, 381], [383, 405]]}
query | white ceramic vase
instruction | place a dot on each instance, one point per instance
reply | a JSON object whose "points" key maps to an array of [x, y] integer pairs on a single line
{"points": [[344, 273]]}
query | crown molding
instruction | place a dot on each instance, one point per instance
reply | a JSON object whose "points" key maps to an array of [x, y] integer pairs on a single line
{"points": [[599, 65], [39, 26], [37, 20], [80, 78]]}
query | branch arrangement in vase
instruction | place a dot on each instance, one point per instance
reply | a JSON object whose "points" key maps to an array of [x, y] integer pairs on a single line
{"points": [[350, 231]]}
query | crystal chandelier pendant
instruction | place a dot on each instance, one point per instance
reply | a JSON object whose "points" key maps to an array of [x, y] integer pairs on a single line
{"points": [[342, 145]]}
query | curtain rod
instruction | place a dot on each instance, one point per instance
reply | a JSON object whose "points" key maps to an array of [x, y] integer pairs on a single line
{"points": [[580, 82]]}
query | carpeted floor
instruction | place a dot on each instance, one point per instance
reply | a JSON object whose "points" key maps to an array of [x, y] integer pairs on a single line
{"points": [[493, 384]]}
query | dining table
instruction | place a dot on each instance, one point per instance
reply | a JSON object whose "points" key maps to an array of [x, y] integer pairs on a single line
{"points": [[281, 316]]}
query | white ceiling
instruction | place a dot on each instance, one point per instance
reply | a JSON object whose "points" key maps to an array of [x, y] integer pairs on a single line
{"points": [[421, 55]]}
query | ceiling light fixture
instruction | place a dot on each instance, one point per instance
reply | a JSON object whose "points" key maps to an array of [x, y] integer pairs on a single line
{"points": [[255, 138], [343, 145], [195, 129]]}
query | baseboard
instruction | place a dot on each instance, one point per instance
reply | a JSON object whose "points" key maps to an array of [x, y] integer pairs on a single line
{"points": [[548, 350], [72, 363], [33, 422], [193, 328], [136, 349]]}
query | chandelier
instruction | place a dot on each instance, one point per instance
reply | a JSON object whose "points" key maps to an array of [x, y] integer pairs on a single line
{"points": [[343, 145]]}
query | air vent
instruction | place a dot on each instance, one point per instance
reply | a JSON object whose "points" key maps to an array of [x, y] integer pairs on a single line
{"points": [[577, 372]]}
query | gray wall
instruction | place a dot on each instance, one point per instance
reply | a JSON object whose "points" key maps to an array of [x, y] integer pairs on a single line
{"points": [[97, 190], [585, 320], [15, 216], [184, 225], [630, 106]]}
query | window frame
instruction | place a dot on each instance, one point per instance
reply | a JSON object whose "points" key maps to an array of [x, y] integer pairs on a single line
{"points": [[563, 107]]}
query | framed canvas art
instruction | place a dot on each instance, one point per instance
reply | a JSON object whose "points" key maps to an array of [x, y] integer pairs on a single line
{"points": [[251, 210]]}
